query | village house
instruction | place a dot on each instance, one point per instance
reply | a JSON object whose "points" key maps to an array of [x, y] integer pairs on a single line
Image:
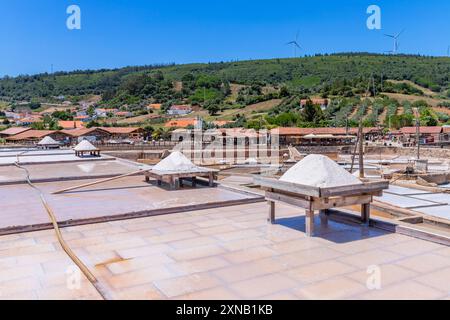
{"points": [[323, 103], [154, 107], [427, 134], [29, 120], [96, 135], [34, 136], [180, 110], [123, 114], [68, 125], [294, 136], [103, 113], [12, 131], [126, 133]]}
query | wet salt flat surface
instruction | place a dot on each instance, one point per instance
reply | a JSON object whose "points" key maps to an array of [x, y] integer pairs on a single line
{"points": [[20, 205], [33, 152], [68, 170], [438, 203], [228, 254], [47, 159]]}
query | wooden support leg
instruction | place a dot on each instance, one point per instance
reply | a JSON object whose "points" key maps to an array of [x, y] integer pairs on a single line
{"points": [[194, 182], [159, 183], [310, 223], [365, 213], [211, 179], [271, 218], [324, 217], [180, 182], [147, 179], [175, 183]]}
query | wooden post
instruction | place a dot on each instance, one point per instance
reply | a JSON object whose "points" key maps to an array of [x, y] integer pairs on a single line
{"points": [[365, 213], [361, 150], [271, 218], [211, 179], [147, 179], [324, 217], [310, 223], [159, 183], [194, 182]]}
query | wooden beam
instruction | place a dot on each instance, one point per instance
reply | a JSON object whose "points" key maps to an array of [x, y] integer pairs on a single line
{"points": [[339, 202], [277, 197], [354, 189], [98, 182], [286, 186]]}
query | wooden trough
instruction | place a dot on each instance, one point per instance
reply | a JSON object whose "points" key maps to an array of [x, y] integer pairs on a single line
{"points": [[314, 199], [175, 178]]}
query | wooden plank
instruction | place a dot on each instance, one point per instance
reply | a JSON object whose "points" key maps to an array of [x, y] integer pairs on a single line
{"points": [[286, 186], [99, 182], [277, 197], [339, 202], [354, 189]]}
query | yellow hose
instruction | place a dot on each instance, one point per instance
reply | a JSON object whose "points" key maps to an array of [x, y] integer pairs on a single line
{"points": [[92, 279]]}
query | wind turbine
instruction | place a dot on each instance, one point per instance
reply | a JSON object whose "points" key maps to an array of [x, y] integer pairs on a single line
{"points": [[395, 37], [295, 44], [448, 51]]}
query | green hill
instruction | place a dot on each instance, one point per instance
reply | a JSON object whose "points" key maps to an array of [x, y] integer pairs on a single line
{"points": [[348, 79]]}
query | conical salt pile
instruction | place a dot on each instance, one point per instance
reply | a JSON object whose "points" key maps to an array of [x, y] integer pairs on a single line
{"points": [[48, 141], [85, 146], [175, 162], [319, 171]]}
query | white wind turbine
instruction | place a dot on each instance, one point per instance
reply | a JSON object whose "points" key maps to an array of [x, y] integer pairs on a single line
{"points": [[395, 38], [295, 44]]}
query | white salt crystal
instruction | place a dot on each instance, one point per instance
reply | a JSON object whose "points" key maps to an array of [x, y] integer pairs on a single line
{"points": [[319, 171], [176, 162]]}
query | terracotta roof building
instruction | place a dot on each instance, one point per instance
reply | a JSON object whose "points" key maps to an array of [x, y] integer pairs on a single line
{"points": [[67, 125], [30, 135], [13, 131]]}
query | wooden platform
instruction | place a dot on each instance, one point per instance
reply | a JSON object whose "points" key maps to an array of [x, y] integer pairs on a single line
{"points": [[320, 199], [175, 178]]}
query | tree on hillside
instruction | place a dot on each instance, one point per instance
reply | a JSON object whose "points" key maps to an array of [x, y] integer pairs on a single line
{"points": [[312, 113]]}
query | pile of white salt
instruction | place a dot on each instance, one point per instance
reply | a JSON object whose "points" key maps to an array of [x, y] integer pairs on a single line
{"points": [[177, 162], [319, 171]]}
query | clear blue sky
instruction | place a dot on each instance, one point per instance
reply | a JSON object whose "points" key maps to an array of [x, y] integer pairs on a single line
{"points": [[116, 33]]}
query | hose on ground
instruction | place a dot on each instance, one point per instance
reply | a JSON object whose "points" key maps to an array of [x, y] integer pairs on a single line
{"points": [[89, 275]]}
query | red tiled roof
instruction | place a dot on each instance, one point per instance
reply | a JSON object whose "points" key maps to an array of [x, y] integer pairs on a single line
{"points": [[13, 131], [315, 101], [120, 130], [82, 131], [319, 131], [71, 124], [122, 113], [155, 106], [31, 134], [181, 107], [425, 130], [181, 123]]}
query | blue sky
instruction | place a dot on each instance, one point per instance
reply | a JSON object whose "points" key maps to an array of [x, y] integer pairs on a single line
{"points": [[117, 33]]}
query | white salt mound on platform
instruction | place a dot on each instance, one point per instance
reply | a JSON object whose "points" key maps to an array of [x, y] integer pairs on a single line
{"points": [[48, 141], [319, 171], [176, 162]]}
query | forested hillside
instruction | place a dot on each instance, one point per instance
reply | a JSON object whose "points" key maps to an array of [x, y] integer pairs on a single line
{"points": [[333, 74], [360, 86]]}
